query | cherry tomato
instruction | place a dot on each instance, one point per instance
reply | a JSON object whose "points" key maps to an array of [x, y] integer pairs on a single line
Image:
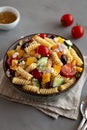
{"points": [[42, 35], [37, 74], [43, 50], [67, 19], [9, 61], [68, 70], [77, 31]]}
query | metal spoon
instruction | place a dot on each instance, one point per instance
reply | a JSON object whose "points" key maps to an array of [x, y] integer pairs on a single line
{"points": [[83, 109], [84, 126]]}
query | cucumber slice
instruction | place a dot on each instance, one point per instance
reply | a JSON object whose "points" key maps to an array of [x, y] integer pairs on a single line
{"points": [[41, 63], [35, 82], [57, 81], [68, 43]]}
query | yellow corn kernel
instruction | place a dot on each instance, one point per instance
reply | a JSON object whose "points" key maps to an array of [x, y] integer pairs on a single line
{"points": [[57, 68], [61, 40], [79, 69], [21, 53], [10, 53], [46, 77], [74, 62], [30, 60]]}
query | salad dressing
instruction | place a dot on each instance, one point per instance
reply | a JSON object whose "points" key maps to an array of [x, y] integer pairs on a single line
{"points": [[7, 17]]}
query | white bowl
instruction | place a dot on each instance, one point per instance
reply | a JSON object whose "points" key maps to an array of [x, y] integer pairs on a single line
{"points": [[11, 25]]}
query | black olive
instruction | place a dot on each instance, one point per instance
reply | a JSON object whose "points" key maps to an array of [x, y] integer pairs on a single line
{"points": [[12, 72], [49, 84], [51, 36], [24, 45], [29, 39], [64, 59]]}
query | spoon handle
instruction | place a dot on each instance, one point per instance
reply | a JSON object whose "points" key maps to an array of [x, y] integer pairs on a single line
{"points": [[81, 124], [84, 126]]}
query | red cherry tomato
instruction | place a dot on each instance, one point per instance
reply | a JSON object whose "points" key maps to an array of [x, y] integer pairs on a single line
{"points": [[68, 70], [42, 35], [43, 50], [37, 74], [67, 19], [77, 31], [9, 60]]}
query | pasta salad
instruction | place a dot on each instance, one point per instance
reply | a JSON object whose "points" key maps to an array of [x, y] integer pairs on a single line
{"points": [[43, 64]]}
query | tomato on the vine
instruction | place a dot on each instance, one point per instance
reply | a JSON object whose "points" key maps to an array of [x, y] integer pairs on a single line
{"points": [[77, 31], [43, 50], [67, 19]]}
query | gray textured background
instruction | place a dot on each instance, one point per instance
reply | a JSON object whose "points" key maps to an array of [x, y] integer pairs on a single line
{"points": [[40, 16]]}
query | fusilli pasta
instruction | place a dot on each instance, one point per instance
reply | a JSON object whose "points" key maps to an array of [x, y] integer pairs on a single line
{"points": [[31, 47], [76, 57], [42, 41], [50, 41], [67, 85], [31, 67], [56, 59], [22, 72], [49, 91], [30, 88], [20, 81]]}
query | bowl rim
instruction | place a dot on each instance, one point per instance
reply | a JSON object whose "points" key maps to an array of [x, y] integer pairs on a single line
{"points": [[35, 94]]}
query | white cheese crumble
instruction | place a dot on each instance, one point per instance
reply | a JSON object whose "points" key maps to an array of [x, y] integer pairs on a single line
{"points": [[55, 39], [15, 54], [62, 48], [22, 63]]}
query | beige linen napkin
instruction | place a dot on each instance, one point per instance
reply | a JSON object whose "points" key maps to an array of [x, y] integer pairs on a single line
{"points": [[66, 105]]}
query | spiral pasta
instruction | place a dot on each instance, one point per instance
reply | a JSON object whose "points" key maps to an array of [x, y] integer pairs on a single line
{"points": [[32, 47], [66, 80], [69, 56], [22, 72], [48, 91], [76, 57], [56, 59], [50, 41], [66, 85], [54, 74], [31, 67], [42, 41], [30, 88], [43, 84], [19, 81]]}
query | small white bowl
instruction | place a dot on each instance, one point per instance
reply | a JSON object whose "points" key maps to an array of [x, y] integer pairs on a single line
{"points": [[10, 26]]}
